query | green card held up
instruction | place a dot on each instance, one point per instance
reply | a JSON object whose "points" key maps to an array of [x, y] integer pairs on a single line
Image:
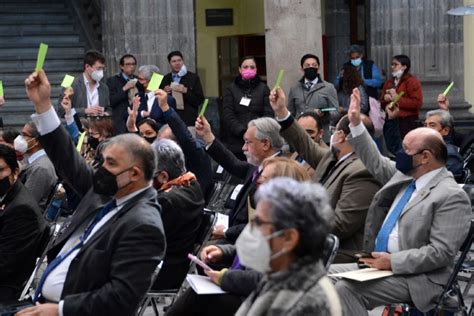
{"points": [[67, 81], [1, 88], [155, 82], [41, 56], [279, 79], [204, 107], [445, 93]]}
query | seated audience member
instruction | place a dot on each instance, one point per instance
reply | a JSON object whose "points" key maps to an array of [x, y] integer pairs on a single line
{"points": [[261, 141], [37, 172], [8, 135], [236, 280], [197, 161], [311, 122], [21, 228], [182, 204], [458, 139], [148, 129], [415, 225], [102, 263], [349, 184], [285, 240], [148, 104], [101, 128]]}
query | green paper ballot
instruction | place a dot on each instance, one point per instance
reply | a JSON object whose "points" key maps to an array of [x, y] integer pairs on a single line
{"points": [[445, 93], [398, 97], [279, 79], [41, 56], [155, 82], [67, 81], [1, 88], [204, 107]]}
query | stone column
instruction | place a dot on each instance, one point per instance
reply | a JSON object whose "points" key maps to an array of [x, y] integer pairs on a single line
{"points": [[148, 29], [432, 39], [292, 29]]}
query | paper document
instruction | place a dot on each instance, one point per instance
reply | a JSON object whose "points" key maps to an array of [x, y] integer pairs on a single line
{"points": [[362, 275], [178, 96], [203, 285], [223, 220]]}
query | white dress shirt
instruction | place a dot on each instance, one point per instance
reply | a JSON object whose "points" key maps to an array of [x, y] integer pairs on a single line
{"points": [[92, 94]]}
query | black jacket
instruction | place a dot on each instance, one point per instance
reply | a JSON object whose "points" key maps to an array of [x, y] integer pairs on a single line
{"points": [[113, 270], [118, 102], [237, 116], [21, 229], [192, 99], [181, 213]]}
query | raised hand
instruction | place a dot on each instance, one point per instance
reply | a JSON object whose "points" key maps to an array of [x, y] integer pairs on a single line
{"points": [[203, 130], [132, 115], [162, 98], [2, 101], [354, 108], [278, 102], [38, 90], [443, 102], [66, 104], [392, 112]]}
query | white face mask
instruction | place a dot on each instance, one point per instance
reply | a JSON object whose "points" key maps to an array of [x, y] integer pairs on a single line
{"points": [[97, 75], [254, 251], [332, 142], [398, 73], [20, 144], [183, 71]]}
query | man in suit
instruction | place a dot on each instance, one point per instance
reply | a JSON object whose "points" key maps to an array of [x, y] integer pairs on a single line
{"points": [[119, 87], [186, 85], [261, 141], [182, 203], [37, 174], [349, 184], [415, 225], [90, 96], [21, 228], [103, 261]]}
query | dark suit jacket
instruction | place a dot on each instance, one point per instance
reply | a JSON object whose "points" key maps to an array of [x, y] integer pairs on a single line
{"points": [[238, 216], [21, 229], [79, 98], [192, 99], [181, 212], [155, 112], [113, 270], [350, 186], [118, 102]]}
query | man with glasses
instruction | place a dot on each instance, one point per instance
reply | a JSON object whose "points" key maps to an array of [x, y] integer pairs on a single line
{"points": [[122, 88], [90, 97]]}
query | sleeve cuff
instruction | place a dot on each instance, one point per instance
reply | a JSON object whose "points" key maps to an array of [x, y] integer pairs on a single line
{"points": [[70, 118], [60, 308], [46, 122], [357, 130], [168, 113], [283, 118]]}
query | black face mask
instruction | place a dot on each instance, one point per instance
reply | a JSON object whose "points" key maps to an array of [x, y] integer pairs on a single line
{"points": [[104, 182], [5, 186], [150, 140], [310, 73], [93, 142], [404, 162]]}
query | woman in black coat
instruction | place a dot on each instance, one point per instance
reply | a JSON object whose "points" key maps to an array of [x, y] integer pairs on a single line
{"points": [[245, 99]]}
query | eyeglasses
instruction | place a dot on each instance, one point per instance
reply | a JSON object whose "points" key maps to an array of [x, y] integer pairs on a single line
{"points": [[130, 64], [257, 222]]}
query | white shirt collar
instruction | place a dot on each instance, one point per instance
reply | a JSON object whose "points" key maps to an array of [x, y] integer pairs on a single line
{"points": [[86, 82], [315, 81], [125, 198], [423, 181], [260, 167], [36, 155], [345, 156]]}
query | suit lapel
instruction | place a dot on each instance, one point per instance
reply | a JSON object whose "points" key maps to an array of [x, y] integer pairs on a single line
{"points": [[338, 168]]}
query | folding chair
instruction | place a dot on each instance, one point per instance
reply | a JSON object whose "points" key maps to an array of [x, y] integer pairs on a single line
{"points": [[331, 246], [208, 221]]}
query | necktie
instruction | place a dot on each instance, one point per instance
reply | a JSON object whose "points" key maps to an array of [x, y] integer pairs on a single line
{"points": [[308, 85], [331, 167], [60, 258], [255, 175], [381, 243]]}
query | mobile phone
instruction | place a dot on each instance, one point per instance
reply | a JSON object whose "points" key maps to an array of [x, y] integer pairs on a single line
{"points": [[197, 261], [363, 254]]}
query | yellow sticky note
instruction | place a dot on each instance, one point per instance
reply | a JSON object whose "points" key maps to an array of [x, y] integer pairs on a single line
{"points": [[41, 56], [155, 82], [67, 81], [1, 88]]}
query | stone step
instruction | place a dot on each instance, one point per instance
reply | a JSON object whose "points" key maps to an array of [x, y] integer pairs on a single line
{"points": [[36, 44], [49, 65], [34, 29], [18, 79], [18, 92], [67, 52], [33, 8], [48, 39], [38, 18]]}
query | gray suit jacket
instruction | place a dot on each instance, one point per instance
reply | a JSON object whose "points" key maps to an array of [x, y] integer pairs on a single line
{"points": [[79, 98], [431, 228], [39, 178], [350, 186]]}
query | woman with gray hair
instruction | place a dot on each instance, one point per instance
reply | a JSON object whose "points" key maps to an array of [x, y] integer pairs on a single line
{"points": [[285, 240]]}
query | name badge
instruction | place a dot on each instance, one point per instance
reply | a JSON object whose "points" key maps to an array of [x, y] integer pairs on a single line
{"points": [[245, 101]]}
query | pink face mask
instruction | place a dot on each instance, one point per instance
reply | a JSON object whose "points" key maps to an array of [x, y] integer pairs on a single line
{"points": [[248, 74]]}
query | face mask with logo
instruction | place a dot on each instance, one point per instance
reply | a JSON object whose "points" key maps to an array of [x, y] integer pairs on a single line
{"points": [[310, 73], [356, 62], [20, 144], [5, 185], [254, 251], [97, 75], [248, 74], [105, 182], [404, 162]]}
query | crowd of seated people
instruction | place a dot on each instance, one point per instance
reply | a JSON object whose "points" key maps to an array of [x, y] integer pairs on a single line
{"points": [[137, 168]]}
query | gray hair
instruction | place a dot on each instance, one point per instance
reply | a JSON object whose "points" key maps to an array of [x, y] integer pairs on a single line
{"points": [[139, 150], [300, 205], [268, 128], [170, 157], [355, 49], [446, 118], [148, 70]]}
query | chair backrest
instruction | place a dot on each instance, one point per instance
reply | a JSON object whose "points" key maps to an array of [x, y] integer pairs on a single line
{"points": [[331, 246], [208, 220]]}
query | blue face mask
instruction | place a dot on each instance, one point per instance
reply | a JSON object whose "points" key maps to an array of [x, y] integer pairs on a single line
{"points": [[404, 161], [356, 62]]}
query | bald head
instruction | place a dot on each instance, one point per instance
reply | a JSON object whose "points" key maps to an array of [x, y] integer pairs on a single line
{"points": [[424, 138]]}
